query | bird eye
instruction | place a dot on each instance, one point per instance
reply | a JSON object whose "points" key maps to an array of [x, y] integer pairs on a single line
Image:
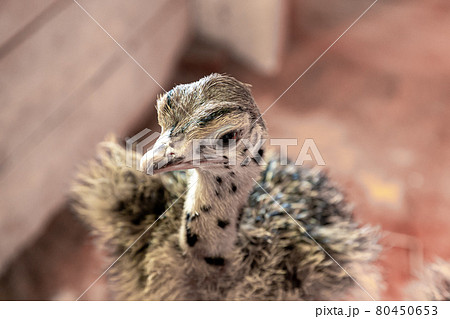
{"points": [[225, 139]]}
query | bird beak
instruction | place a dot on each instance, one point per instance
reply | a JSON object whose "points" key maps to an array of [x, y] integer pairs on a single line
{"points": [[162, 157], [168, 155]]}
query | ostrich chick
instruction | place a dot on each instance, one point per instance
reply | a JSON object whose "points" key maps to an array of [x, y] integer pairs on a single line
{"points": [[222, 230]]}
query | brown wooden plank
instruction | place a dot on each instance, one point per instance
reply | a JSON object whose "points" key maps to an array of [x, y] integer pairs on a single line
{"points": [[39, 180], [41, 73], [16, 15]]}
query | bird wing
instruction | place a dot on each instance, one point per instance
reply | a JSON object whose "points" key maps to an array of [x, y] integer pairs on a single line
{"points": [[122, 205], [296, 222]]}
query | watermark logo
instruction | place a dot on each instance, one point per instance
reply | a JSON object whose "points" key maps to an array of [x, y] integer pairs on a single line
{"points": [[309, 148], [139, 144], [210, 150]]}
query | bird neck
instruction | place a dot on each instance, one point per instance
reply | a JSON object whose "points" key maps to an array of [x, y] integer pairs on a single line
{"points": [[212, 211]]}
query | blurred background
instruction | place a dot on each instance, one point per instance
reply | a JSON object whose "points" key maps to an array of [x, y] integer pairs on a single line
{"points": [[377, 106]]}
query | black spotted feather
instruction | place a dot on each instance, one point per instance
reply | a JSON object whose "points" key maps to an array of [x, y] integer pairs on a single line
{"points": [[274, 258]]}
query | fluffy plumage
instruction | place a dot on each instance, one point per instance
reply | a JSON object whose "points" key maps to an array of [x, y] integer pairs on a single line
{"points": [[433, 284], [216, 235]]}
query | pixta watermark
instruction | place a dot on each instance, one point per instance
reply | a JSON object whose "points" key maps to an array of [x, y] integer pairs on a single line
{"points": [[201, 152]]}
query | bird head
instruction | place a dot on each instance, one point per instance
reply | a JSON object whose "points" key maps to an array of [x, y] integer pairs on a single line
{"points": [[211, 124]]}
